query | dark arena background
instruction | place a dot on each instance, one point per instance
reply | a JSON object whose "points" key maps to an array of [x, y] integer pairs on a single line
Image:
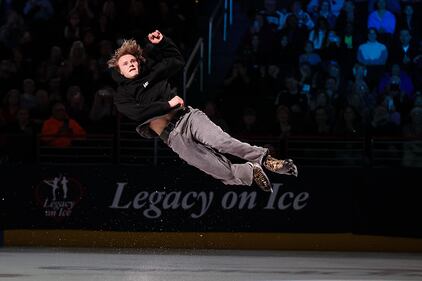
{"points": [[334, 85]]}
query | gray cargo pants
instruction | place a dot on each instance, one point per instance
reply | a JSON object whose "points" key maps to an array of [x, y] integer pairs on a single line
{"points": [[201, 143]]}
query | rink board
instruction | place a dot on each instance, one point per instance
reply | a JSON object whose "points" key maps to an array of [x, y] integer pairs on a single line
{"points": [[190, 240]]}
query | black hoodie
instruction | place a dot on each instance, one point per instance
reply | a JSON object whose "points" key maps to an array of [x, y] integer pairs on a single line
{"points": [[146, 96]]}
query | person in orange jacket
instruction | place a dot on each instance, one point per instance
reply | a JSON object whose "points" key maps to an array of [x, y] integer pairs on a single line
{"points": [[59, 129]]}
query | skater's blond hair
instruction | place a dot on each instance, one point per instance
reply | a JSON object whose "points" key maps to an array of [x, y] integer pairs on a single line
{"points": [[129, 47]]}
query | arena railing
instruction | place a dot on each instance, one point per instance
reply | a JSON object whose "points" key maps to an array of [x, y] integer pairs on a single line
{"points": [[92, 149], [128, 148], [196, 56]]}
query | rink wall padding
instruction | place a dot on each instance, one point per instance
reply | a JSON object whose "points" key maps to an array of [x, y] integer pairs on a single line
{"points": [[130, 201], [224, 240]]}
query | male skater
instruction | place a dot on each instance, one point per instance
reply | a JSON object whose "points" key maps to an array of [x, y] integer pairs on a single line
{"points": [[145, 95]]}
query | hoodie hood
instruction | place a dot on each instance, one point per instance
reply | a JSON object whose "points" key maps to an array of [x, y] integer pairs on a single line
{"points": [[117, 77]]}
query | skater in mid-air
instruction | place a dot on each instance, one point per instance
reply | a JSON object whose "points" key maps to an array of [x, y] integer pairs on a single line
{"points": [[145, 96]]}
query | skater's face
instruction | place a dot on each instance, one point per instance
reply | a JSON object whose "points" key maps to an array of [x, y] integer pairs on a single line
{"points": [[129, 66]]}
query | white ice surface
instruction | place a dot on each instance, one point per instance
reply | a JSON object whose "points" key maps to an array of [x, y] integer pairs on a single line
{"points": [[69, 264]]}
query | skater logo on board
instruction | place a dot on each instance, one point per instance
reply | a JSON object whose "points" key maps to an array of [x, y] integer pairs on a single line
{"points": [[58, 196]]}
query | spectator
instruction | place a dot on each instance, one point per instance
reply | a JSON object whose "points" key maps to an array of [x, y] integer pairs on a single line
{"points": [[397, 79], [347, 16], [372, 52], [10, 107], [21, 137], [238, 81], [38, 10], [76, 106], [49, 68], [408, 22], [385, 119], [358, 94], [392, 5], [412, 129], [84, 11], [249, 126], [59, 129], [382, 20], [72, 30], [404, 51], [413, 125], [214, 114], [305, 78], [296, 35], [274, 17], [417, 69], [282, 127], [334, 6], [324, 11], [42, 111], [304, 20], [12, 32], [320, 122], [310, 56], [348, 123], [102, 114], [319, 34], [28, 99]]}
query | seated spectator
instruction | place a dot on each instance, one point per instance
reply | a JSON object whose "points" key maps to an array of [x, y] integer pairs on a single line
{"points": [[59, 129], [319, 34], [12, 32], [212, 111], [391, 5], [267, 84], [397, 79], [238, 81], [334, 6], [76, 106], [404, 51], [49, 68], [28, 99], [248, 126], [72, 30], [385, 119], [382, 20], [296, 35], [10, 107], [358, 94], [417, 69], [347, 15], [292, 96], [373, 55], [21, 139], [408, 22], [305, 78], [282, 126], [413, 125], [102, 114], [319, 122], [274, 17], [38, 10], [349, 123], [310, 56], [412, 129], [304, 20], [42, 111], [324, 11]]}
